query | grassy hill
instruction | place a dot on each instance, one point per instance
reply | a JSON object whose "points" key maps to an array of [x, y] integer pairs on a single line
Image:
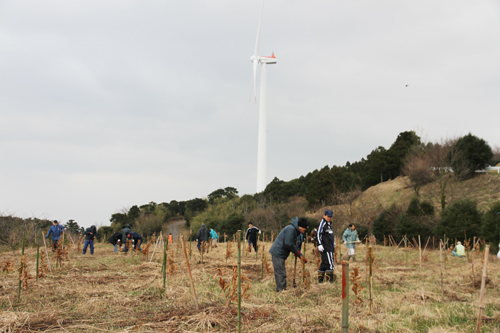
{"points": [[364, 207]]}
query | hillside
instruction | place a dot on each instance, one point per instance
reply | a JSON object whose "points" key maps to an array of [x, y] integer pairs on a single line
{"points": [[363, 209]]}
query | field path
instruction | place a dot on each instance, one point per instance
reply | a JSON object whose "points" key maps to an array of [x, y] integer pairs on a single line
{"points": [[175, 228]]}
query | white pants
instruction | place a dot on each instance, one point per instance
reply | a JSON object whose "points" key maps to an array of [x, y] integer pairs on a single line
{"points": [[350, 252], [498, 254]]}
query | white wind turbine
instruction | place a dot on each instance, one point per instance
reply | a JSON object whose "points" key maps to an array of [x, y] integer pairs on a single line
{"points": [[262, 139]]}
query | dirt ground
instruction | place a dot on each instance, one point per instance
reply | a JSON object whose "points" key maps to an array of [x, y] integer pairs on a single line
{"points": [[110, 292]]}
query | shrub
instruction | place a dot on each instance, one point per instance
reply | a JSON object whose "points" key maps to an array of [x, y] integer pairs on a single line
{"points": [[411, 227], [363, 231], [385, 223], [490, 226], [461, 216]]}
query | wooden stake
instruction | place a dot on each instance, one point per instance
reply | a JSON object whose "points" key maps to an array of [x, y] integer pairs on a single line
{"points": [[46, 253], [483, 283], [195, 299]]}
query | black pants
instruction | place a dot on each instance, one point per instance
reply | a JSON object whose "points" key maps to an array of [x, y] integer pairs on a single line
{"points": [[254, 243], [327, 264]]}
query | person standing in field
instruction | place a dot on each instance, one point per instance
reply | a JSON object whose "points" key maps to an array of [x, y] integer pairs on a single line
{"points": [[90, 234], [251, 236], [56, 230], [214, 236], [350, 238], [202, 236], [326, 246], [459, 250], [286, 242], [170, 238], [115, 239]]}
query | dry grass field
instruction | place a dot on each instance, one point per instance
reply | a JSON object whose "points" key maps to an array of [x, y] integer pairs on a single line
{"points": [[111, 292]]}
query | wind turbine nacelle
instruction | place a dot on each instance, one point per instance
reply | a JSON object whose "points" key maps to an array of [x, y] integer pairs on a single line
{"points": [[268, 60]]}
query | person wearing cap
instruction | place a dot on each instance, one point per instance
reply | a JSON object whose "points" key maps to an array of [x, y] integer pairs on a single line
{"points": [[136, 240], [350, 238], [202, 236], [251, 236], [286, 242], [90, 234], [126, 236], [326, 247], [459, 250], [56, 230]]}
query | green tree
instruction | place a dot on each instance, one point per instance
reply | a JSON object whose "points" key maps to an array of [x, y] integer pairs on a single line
{"points": [[320, 188], [376, 167], [232, 224], [468, 155], [72, 226], [459, 218]]}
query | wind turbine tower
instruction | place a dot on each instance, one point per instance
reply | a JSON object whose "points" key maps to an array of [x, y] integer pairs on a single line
{"points": [[262, 138]]}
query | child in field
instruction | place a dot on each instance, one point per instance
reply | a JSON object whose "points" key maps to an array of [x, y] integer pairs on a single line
{"points": [[350, 238]]}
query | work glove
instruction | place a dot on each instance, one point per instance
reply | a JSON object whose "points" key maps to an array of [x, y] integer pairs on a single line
{"points": [[321, 248]]}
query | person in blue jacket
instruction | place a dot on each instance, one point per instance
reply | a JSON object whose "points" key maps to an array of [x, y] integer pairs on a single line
{"points": [[350, 238], [214, 237], [56, 230], [286, 242]]}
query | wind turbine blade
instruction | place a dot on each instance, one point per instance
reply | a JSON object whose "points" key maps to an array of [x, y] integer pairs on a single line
{"points": [[257, 41]]}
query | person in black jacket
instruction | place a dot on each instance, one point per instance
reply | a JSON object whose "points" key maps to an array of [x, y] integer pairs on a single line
{"points": [[115, 239], [326, 246], [202, 236], [251, 236], [136, 240], [90, 234]]}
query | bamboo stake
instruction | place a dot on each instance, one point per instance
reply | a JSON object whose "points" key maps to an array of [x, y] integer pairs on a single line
{"points": [[483, 283], [195, 299], [294, 271], [190, 240], [345, 297], [165, 248], [425, 248], [156, 244], [239, 282], [420, 253], [370, 258], [46, 253], [262, 268], [37, 256], [441, 264], [21, 271]]}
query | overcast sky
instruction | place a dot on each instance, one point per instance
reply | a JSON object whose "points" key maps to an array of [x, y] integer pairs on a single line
{"points": [[109, 104]]}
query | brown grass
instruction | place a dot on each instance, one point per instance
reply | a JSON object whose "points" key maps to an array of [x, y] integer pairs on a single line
{"points": [[111, 292]]}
